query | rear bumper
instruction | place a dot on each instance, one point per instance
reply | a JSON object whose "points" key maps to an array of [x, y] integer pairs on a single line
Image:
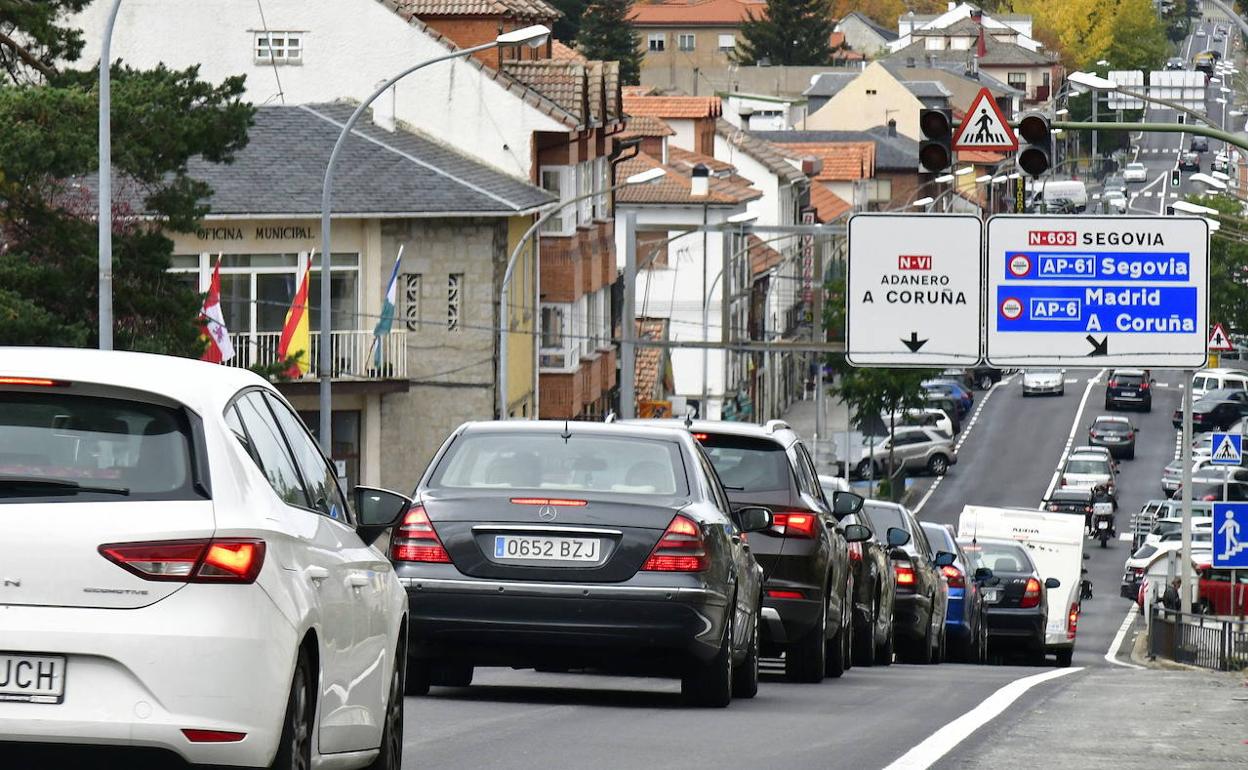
{"points": [[512, 623], [911, 616], [136, 678], [956, 622], [1137, 400], [1014, 626], [796, 618]]}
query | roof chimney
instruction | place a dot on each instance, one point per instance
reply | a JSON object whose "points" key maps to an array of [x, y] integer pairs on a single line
{"points": [[700, 186], [383, 112], [892, 127]]}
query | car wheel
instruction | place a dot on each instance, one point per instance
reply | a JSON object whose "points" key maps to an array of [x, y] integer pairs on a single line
{"points": [[1037, 654], [1061, 391], [419, 677], [866, 469], [710, 684], [806, 659], [938, 465], [294, 749], [985, 381], [938, 654], [840, 648], [981, 656], [884, 653], [391, 755], [864, 643], [745, 676], [1064, 657]]}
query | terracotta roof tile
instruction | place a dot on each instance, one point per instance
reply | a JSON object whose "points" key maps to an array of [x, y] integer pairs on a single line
{"points": [[646, 125], [687, 107], [518, 9], [828, 205], [760, 150], [639, 91], [697, 13], [842, 161], [675, 187], [980, 156], [762, 256], [562, 52], [566, 83], [649, 372]]}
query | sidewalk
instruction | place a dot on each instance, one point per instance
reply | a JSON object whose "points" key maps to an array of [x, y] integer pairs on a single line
{"points": [[801, 417]]}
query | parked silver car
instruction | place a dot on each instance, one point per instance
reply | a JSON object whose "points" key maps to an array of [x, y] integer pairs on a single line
{"points": [[914, 448], [1041, 381]]}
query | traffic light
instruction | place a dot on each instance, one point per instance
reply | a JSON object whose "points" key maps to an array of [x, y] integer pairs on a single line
{"points": [[1035, 151], [936, 143], [1176, 177]]}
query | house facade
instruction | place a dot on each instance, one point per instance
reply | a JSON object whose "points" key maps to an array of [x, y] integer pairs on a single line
{"points": [[871, 99], [690, 36], [864, 35]]}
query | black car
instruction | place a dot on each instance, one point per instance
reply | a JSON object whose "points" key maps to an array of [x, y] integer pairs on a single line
{"points": [[1115, 434], [1216, 410], [1218, 491], [1016, 597], [1200, 144], [922, 593], [807, 579], [559, 545], [1189, 161], [1129, 388], [1077, 500], [985, 377]]}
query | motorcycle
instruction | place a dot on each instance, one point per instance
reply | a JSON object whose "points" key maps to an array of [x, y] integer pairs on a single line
{"points": [[1103, 524]]}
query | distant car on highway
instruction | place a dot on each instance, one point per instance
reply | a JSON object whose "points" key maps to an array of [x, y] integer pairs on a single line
{"points": [[1129, 388], [966, 622], [1116, 434], [1200, 144], [1114, 183], [1135, 172], [1215, 410], [1200, 32], [1089, 470], [1189, 161], [1176, 63], [1038, 382]]}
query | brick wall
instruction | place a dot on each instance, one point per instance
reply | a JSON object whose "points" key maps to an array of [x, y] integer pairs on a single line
{"points": [[469, 31]]}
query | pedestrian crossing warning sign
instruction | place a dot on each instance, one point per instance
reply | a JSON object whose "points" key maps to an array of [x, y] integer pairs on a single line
{"points": [[984, 127], [1227, 449]]}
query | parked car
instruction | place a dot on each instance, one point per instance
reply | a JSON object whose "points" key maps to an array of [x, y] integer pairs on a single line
{"points": [[984, 377], [961, 395], [1171, 526], [206, 590], [875, 590], [1216, 410], [808, 583], [1200, 144], [1037, 382], [965, 621], [963, 377], [1089, 470], [1219, 491], [914, 449], [1137, 564], [1129, 388], [1206, 380], [947, 405], [554, 545], [1135, 172], [1015, 595], [922, 593], [1116, 434], [928, 417], [1219, 595], [1189, 161]]}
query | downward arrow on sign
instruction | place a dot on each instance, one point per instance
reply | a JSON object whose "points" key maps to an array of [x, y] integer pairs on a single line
{"points": [[914, 343]]}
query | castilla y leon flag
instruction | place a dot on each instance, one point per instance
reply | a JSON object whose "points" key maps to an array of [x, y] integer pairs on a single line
{"points": [[296, 341], [220, 349]]}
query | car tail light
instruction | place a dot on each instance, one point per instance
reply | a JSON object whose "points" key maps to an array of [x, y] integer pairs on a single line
{"points": [[855, 551], [213, 736], [549, 501], [904, 573], [1113, 383], [1053, 507], [954, 576], [775, 593], [1210, 496], [700, 436], [220, 560], [1087, 509], [37, 382], [1144, 385], [1072, 622], [416, 540], [795, 524], [681, 549], [1031, 594]]}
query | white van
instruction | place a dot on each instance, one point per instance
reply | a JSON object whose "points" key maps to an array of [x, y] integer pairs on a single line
{"points": [[1065, 189], [1215, 379], [1055, 543]]}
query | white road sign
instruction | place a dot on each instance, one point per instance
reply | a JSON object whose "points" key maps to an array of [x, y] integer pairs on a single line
{"points": [[913, 285], [1115, 291]]}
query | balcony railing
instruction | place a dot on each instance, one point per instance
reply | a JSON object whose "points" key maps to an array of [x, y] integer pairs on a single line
{"points": [[352, 355], [1039, 94]]}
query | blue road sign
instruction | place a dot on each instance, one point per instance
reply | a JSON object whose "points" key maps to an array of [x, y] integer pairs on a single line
{"points": [[1230, 535], [1227, 449], [1081, 309], [1097, 265]]}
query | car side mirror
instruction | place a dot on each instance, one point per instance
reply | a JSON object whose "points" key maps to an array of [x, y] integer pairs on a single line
{"points": [[1052, 583], [753, 518], [982, 574], [857, 533], [944, 558], [377, 510], [897, 537], [845, 503]]}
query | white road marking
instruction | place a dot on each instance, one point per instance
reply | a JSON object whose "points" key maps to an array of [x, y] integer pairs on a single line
{"points": [[1070, 440], [966, 431], [944, 740], [1117, 643]]}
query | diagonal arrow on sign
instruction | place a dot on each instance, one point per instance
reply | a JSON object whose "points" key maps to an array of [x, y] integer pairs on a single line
{"points": [[1099, 348]]}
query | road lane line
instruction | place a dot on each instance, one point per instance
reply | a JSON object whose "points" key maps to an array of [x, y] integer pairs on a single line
{"points": [[944, 740], [962, 440], [1070, 440], [1111, 655]]}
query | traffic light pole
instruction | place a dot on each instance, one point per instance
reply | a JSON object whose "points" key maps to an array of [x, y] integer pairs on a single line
{"points": [[1156, 128]]}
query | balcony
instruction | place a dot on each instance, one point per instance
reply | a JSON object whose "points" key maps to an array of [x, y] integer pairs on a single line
{"points": [[1039, 94], [352, 356]]}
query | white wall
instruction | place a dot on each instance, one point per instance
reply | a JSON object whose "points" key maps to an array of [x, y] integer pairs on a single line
{"points": [[683, 137], [349, 48]]}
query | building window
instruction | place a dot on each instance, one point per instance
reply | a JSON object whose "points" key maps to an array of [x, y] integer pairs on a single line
{"points": [[454, 295], [584, 191], [560, 181], [279, 47], [559, 344], [871, 92], [409, 284], [1017, 80], [657, 41], [727, 42], [685, 41], [602, 183]]}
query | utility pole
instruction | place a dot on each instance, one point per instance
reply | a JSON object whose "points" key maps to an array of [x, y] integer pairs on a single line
{"points": [[1186, 459], [628, 323]]}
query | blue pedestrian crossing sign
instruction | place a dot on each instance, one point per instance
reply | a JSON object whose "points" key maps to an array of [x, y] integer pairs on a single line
{"points": [[1230, 535], [1227, 449]]}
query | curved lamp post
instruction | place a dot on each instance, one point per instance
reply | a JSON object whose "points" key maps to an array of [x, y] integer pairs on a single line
{"points": [[504, 307], [532, 36], [105, 213]]}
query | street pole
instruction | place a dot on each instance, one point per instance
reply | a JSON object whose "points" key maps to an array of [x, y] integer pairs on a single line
{"points": [[1186, 459], [628, 347], [1096, 98], [105, 224], [817, 334]]}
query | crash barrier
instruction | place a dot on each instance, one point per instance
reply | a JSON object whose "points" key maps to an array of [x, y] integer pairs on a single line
{"points": [[1206, 641]]}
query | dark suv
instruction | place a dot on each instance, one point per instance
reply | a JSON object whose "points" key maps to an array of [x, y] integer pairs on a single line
{"points": [[1129, 387], [807, 577]]}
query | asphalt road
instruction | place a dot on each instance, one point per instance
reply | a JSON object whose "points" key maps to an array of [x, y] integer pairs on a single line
{"points": [[867, 719]]}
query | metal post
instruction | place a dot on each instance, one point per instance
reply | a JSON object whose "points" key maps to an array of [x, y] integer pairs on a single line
{"points": [[1095, 99], [1186, 458], [818, 334], [105, 224], [628, 323], [727, 289], [703, 412]]}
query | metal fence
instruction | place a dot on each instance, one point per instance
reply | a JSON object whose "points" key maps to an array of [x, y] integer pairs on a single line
{"points": [[1206, 641]]}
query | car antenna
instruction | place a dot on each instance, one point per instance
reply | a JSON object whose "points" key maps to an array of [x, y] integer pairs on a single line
{"points": [[610, 418], [688, 417], [567, 432]]}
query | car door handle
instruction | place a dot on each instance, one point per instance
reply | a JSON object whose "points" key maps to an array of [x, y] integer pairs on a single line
{"points": [[358, 580], [316, 574]]}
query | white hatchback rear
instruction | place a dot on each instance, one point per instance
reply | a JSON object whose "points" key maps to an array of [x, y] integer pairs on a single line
{"points": [[179, 570]]}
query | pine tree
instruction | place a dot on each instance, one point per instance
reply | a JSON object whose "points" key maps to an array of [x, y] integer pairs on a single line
{"points": [[607, 35], [568, 25], [790, 32]]}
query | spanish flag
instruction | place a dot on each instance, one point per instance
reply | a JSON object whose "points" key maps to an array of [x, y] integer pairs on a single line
{"points": [[296, 341]]}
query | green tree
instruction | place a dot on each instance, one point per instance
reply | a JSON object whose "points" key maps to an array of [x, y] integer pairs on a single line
{"points": [[161, 118], [606, 34], [1139, 37], [789, 32], [568, 25], [1228, 263], [871, 392]]}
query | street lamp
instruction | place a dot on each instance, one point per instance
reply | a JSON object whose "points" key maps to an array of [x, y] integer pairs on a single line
{"points": [[504, 310], [964, 171], [923, 201], [1209, 181], [533, 36], [943, 178], [105, 212]]}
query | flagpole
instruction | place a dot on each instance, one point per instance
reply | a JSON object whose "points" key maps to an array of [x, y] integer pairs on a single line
{"points": [[394, 277]]}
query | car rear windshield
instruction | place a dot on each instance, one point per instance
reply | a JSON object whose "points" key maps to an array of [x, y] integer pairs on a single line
{"points": [[999, 557], [620, 464], [747, 464], [1128, 380], [66, 447], [1087, 467], [882, 518], [1112, 426]]}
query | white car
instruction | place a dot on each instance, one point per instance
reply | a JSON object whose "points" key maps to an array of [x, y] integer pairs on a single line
{"points": [[1090, 470], [1115, 200], [182, 572], [1038, 382], [930, 417], [1168, 528], [1135, 172]]}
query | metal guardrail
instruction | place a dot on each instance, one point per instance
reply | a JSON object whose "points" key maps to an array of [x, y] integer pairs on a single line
{"points": [[1207, 641]]}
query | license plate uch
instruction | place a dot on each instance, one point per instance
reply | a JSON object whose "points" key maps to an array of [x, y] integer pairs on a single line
{"points": [[992, 595], [32, 678], [537, 548]]}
